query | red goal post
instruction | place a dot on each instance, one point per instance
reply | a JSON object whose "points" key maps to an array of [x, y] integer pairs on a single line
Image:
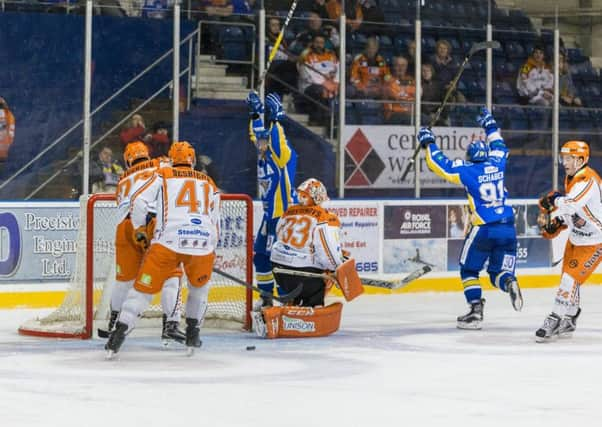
{"points": [[86, 303]]}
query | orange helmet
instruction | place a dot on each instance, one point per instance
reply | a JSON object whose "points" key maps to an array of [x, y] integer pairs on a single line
{"points": [[312, 192], [134, 151], [576, 148], [182, 153]]}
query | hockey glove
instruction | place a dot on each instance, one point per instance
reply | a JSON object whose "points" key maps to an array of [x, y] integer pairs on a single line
{"points": [[546, 203], [141, 237], [550, 227], [254, 103], [487, 122], [425, 137], [274, 107]]}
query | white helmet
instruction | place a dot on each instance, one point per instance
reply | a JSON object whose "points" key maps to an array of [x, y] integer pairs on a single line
{"points": [[312, 192]]}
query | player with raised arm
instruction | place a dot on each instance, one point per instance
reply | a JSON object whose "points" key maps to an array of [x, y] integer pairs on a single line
{"points": [[186, 233], [492, 236], [579, 209], [129, 254], [276, 165], [307, 240]]}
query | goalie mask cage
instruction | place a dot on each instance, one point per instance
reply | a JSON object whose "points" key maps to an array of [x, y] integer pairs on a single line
{"points": [[86, 305]]}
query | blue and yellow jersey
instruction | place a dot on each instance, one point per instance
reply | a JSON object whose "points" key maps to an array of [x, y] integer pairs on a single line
{"points": [[483, 181], [275, 170]]}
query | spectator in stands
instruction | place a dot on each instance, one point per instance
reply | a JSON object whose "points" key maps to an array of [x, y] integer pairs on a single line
{"points": [[367, 16], [319, 7], [315, 27], [568, 93], [369, 71], [535, 81], [432, 95], [156, 9], [443, 63], [7, 129], [284, 66], [105, 172], [318, 77], [134, 130], [158, 142], [400, 87]]}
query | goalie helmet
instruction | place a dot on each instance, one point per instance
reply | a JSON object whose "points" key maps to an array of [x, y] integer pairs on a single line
{"points": [[182, 153], [477, 151], [576, 148], [135, 151], [312, 192]]}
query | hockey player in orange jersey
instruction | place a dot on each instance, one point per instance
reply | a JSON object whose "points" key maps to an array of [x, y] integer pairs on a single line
{"points": [[186, 234], [140, 169], [307, 240], [580, 210]]}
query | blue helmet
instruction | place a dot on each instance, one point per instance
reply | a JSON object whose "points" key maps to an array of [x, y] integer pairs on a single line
{"points": [[477, 151]]}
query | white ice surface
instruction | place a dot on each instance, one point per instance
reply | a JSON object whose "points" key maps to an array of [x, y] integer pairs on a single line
{"points": [[397, 361]]}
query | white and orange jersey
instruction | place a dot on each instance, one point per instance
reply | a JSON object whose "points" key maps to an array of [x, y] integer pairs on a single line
{"points": [[308, 236], [187, 206], [581, 208], [131, 182]]}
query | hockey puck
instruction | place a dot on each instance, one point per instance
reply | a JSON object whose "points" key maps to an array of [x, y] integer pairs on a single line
{"points": [[250, 347]]}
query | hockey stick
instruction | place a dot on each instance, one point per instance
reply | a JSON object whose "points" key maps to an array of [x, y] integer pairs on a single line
{"points": [[377, 283], [281, 298], [277, 43], [477, 47]]}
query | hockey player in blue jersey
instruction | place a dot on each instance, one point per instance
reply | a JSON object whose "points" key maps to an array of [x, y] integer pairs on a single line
{"points": [[276, 165], [492, 236]]}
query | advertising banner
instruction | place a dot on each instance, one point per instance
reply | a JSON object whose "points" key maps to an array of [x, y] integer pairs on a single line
{"points": [[414, 234], [376, 156], [38, 241]]}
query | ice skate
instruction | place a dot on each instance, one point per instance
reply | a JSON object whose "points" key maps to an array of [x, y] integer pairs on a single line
{"points": [[193, 340], [105, 333], [263, 301], [258, 323], [549, 330], [116, 340], [171, 332], [568, 324], [472, 319], [516, 297]]}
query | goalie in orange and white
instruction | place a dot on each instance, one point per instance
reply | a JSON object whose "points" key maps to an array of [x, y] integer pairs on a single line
{"points": [[129, 254], [307, 240], [580, 210], [186, 234]]}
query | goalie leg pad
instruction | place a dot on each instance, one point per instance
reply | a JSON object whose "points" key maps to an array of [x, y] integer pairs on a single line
{"points": [[348, 280], [198, 268], [128, 255], [302, 322]]}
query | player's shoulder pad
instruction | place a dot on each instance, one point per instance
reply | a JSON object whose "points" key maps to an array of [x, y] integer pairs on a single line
{"points": [[333, 219]]}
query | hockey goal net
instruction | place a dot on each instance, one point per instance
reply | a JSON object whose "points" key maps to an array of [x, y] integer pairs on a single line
{"points": [[86, 304]]}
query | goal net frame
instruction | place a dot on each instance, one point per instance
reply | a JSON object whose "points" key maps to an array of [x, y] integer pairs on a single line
{"points": [[41, 327]]}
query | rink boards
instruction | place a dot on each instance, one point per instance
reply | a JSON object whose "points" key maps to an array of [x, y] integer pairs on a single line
{"points": [[388, 239]]}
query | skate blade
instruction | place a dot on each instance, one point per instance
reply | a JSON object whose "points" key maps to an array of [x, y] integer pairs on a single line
{"points": [[474, 326], [190, 351], [565, 335], [165, 343], [543, 340], [110, 355]]}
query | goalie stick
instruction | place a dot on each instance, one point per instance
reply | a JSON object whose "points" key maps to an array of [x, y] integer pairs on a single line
{"points": [[281, 298], [377, 283], [477, 47]]}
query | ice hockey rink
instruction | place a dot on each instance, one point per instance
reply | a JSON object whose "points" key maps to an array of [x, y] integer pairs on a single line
{"points": [[397, 360]]}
